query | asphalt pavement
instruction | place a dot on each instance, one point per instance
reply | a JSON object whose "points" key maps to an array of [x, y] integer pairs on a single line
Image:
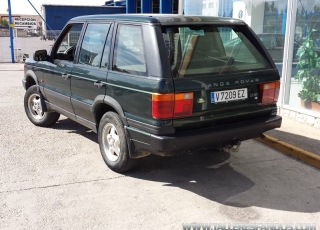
{"points": [[55, 178], [299, 140]]}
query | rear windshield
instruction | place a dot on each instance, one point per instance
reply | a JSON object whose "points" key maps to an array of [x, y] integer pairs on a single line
{"points": [[203, 50]]}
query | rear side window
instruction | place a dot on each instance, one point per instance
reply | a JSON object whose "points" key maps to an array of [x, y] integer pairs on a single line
{"points": [[129, 56], [198, 50]]}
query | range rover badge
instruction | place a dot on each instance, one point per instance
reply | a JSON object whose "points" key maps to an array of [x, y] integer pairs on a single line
{"points": [[201, 100]]}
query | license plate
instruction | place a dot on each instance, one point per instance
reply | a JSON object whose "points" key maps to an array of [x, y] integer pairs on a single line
{"points": [[229, 95]]}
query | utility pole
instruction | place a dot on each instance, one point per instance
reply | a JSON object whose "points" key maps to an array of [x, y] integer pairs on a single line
{"points": [[10, 31], [181, 7], [42, 18]]}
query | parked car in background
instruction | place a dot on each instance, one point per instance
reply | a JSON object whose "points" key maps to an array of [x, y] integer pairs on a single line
{"points": [[155, 84], [32, 33]]}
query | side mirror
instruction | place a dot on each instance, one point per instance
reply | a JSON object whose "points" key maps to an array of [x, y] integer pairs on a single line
{"points": [[41, 55]]}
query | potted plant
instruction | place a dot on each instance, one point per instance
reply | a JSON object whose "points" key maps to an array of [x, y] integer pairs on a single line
{"points": [[308, 66]]}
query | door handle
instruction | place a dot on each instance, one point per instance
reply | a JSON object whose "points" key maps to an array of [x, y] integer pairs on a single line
{"points": [[65, 76], [99, 84]]}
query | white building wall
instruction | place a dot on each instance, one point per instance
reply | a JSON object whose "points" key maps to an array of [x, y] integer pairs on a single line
{"points": [[210, 7], [252, 12], [240, 11], [258, 16]]}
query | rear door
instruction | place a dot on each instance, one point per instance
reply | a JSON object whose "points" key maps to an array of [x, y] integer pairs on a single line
{"points": [[89, 74], [128, 81], [224, 69]]}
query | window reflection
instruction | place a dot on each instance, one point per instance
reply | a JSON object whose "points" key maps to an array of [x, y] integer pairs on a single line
{"points": [[129, 51], [92, 44]]}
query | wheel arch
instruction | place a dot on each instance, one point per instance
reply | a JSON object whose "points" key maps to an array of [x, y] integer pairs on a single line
{"points": [[103, 104], [31, 79]]}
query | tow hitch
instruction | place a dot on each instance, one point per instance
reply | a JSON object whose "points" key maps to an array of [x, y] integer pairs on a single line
{"points": [[234, 147]]}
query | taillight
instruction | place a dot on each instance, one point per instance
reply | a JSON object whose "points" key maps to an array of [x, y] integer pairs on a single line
{"points": [[172, 105], [183, 104], [277, 90], [269, 92], [162, 105]]}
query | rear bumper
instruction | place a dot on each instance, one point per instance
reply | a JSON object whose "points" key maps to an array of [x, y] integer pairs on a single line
{"points": [[217, 136]]}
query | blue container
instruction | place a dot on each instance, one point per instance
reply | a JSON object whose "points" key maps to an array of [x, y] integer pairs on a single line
{"points": [[58, 15]]}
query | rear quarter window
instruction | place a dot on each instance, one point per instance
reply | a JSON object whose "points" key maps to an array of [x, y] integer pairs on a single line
{"points": [[129, 55]]}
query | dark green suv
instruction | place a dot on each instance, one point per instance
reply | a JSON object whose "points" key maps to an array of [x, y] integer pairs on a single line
{"points": [[155, 84]]}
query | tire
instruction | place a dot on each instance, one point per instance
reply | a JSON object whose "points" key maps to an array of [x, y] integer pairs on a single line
{"points": [[33, 108], [113, 144]]}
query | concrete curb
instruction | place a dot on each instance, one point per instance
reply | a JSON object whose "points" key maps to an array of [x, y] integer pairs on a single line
{"points": [[307, 157]]}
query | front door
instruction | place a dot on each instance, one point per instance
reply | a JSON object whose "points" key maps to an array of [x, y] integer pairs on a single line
{"points": [[57, 74]]}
